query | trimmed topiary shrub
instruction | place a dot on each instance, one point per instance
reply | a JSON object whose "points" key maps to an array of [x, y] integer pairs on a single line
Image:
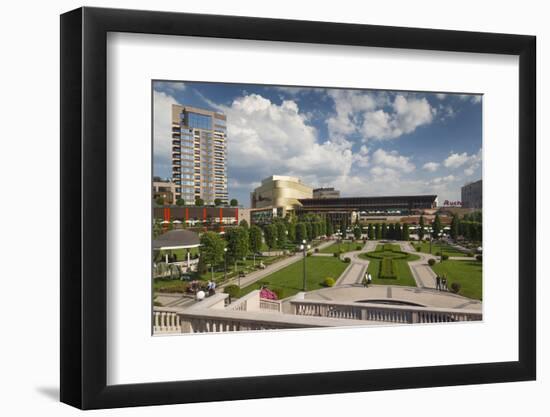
{"points": [[308, 254], [479, 258], [438, 253], [329, 282], [336, 254], [418, 248], [233, 291], [358, 247], [455, 287], [431, 262], [316, 250], [444, 257], [347, 260]]}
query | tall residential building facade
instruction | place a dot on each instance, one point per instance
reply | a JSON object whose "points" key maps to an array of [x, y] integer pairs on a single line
{"points": [[472, 195], [199, 151]]}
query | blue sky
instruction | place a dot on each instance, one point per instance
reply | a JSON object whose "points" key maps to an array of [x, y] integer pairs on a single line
{"points": [[362, 142]]}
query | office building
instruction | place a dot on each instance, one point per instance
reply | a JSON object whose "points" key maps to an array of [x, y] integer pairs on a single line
{"points": [[471, 195], [199, 149], [165, 190]]}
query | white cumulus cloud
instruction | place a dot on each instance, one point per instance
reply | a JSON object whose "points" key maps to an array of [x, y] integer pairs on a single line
{"points": [[431, 166]]}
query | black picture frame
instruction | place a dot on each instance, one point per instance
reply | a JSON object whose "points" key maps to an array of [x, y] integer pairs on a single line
{"points": [[84, 207]]}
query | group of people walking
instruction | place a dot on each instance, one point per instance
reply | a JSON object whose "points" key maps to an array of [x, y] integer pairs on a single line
{"points": [[367, 279], [441, 283]]}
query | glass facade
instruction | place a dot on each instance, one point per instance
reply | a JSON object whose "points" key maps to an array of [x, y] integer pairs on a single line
{"points": [[199, 121]]}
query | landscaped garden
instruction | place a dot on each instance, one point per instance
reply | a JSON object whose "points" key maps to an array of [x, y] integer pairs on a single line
{"points": [[289, 280], [388, 265], [466, 273], [342, 247], [437, 247]]}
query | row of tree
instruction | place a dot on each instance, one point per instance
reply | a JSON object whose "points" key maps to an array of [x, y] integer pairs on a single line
{"points": [[394, 231]]}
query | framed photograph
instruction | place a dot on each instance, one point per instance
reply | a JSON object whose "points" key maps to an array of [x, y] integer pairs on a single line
{"points": [[260, 208]]}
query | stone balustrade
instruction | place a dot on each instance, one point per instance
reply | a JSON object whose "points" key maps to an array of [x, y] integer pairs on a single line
{"points": [[166, 321], [382, 313], [271, 305]]}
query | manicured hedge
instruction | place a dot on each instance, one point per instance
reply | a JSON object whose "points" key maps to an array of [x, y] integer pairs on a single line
{"points": [[387, 269]]}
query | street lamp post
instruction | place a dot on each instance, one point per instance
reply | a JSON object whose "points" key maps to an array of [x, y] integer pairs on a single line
{"points": [[304, 248], [225, 264]]}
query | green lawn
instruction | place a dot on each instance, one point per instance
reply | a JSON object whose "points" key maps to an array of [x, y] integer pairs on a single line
{"points": [[345, 246], [400, 259], [289, 279], [467, 273], [436, 247]]}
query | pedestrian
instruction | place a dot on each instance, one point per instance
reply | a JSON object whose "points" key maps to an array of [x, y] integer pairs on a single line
{"points": [[444, 283], [366, 281], [438, 282], [369, 278]]}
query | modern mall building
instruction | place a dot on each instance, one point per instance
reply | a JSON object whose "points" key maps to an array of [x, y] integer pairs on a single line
{"points": [[280, 192], [326, 192], [472, 195], [199, 149], [375, 208]]}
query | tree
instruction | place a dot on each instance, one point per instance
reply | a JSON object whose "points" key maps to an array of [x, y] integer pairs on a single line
{"points": [[378, 232], [454, 227], [398, 231], [436, 227], [330, 229], [218, 202], [234, 202], [370, 232], [421, 229], [406, 235], [291, 228], [315, 230], [237, 243], [270, 236], [180, 202], [384, 231], [301, 232], [159, 201], [244, 224], [199, 202], [391, 231], [211, 250], [255, 240], [309, 230], [357, 232], [281, 234]]}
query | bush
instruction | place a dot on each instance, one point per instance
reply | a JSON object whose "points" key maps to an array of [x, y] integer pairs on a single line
{"points": [[471, 254], [455, 287], [431, 262], [347, 260], [418, 248], [479, 258], [358, 247], [308, 254], [279, 292], [316, 250], [336, 254], [329, 282], [444, 257], [438, 253], [233, 291]]}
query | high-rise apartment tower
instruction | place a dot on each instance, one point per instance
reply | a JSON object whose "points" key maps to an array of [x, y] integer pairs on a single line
{"points": [[199, 149]]}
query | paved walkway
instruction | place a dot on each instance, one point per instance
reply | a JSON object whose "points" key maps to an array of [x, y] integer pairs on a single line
{"points": [[357, 269], [425, 297], [422, 273]]}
